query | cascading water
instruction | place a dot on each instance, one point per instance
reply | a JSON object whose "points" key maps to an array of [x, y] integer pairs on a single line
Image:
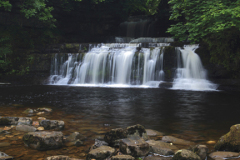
{"points": [[110, 65], [190, 74]]}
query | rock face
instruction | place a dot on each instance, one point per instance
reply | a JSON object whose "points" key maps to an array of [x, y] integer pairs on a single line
{"points": [[230, 141], [119, 133], [43, 140], [52, 124], [135, 147], [122, 157], [26, 128], [185, 155], [174, 140], [200, 150], [161, 148], [100, 153], [223, 155]]}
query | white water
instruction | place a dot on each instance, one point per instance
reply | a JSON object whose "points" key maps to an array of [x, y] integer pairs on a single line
{"points": [[110, 65], [190, 74]]}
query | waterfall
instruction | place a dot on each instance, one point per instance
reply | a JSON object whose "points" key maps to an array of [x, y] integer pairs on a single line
{"points": [[110, 65], [190, 74]]}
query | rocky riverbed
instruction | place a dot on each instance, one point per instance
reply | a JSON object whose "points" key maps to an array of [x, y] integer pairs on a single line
{"points": [[47, 133]]}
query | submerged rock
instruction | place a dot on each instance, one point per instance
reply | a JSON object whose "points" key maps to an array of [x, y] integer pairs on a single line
{"points": [[223, 155], [200, 150], [161, 148], [185, 155], [52, 124], [102, 152], [135, 147], [230, 141], [122, 157], [43, 140], [75, 136], [26, 128], [174, 140]]}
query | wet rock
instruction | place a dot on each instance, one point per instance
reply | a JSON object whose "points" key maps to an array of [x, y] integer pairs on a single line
{"points": [[75, 136], [152, 133], [8, 120], [44, 110], [223, 155], [185, 155], [97, 144], [200, 150], [4, 156], [157, 158], [161, 148], [77, 143], [102, 152], [122, 157], [28, 111], [59, 157], [230, 141], [40, 128], [52, 124], [115, 134], [4, 144], [43, 140], [174, 140], [24, 121], [135, 147], [26, 128]]}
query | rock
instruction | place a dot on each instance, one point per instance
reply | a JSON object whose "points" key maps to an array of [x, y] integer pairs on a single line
{"points": [[52, 124], [97, 144], [161, 148], [174, 140], [77, 143], [223, 155], [2, 131], [230, 141], [26, 128], [157, 158], [200, 150], [185, 155], [4, 156], [122, 157], [119, 133], [41, 118], [35, 123], [211, 142], [43, 140], [134, 147], [28, 111], [4, 144], [75, 136], [59, 157], [40, 128], [44, 110], [154, 134], [8, 120], [102, 152], [25, 121]]}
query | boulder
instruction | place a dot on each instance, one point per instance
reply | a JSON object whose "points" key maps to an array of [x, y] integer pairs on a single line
{"points": [[135, 147], [161, 148], [122, 157], [137, 130], [230, 141], [8, 120], [24, 121], [223, 155], [43, 140], [26, 128], [4, 156], [98, 143], [52, 124], [100, 153], [185, 154], [174, 140], [200, 150]]}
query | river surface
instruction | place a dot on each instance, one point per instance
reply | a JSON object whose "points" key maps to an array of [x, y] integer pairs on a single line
{"points": [[192, 115]]}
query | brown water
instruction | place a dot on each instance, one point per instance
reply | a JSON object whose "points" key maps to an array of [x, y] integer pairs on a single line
{"points": [[194, 116]]}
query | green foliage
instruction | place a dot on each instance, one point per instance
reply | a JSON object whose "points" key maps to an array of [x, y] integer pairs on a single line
{"points": [[197, 19], [6, 5]]}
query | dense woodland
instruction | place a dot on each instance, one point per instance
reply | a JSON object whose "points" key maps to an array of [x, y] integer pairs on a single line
{"points": [[28, 26]]}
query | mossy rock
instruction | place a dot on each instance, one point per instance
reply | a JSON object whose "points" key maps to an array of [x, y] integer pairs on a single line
{"points": [[230, 141], [185, 155]]}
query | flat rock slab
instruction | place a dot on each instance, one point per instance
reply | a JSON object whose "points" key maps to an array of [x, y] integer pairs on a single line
{"points": [[185, 154], [43, 140], [26, 128], [222, 155], [102, 152], [161, 148], [52, 124], [122, 157], [174, 140], [134, 147]]}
